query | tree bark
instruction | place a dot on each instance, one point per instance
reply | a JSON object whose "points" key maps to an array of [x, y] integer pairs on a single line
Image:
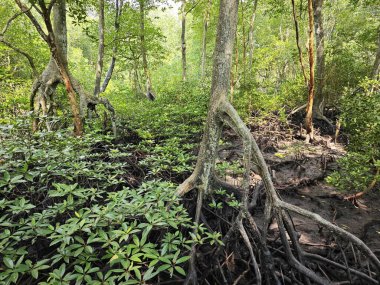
{"points": [[99, 64], [204, 37], [57, 70], [251, 42], [223, 54], [310, 101], [183, 39], [119, 9], [319, 101], [376, 66], [300, 56], [204, 178], [143, 49]]}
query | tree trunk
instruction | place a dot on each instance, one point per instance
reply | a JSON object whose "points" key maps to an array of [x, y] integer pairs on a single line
{"points": [[376, 66], [57, 70], [300, 56], [143, 49], [310, 101], [319, 102], [99, 64], [204, 37], [251, 42], [219, 90], [204, 179], [183, 39], [234, 74], [119, 7]]}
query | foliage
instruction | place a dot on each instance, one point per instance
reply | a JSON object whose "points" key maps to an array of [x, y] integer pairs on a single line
{"points": [[360, 117], [67, 215]]}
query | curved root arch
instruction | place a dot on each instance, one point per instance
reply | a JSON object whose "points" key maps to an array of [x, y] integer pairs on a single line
{"points": [[262, 261]]}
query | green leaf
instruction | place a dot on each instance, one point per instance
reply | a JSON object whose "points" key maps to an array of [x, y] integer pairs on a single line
{"points": [[34, 273], [163, 267], [149, 274], [180, 270], [8, 262], [183, 259], [6, 176]]}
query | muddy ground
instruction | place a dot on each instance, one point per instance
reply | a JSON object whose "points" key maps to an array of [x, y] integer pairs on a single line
{"points": [[299, 171]]}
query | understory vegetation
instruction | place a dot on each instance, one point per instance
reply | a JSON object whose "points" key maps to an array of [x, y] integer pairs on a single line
{"points": [[97, 181]]}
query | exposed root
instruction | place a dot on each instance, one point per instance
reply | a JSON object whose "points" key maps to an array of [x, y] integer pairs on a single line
{"points": [[354, 197], [264, 265]]}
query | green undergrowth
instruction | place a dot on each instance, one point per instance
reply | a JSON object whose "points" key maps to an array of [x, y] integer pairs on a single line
{"points": [[69, 213], [360, 168]]}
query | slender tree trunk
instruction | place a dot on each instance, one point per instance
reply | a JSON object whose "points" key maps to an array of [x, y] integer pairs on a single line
{"points": [[310, 101], [183, 39], [143, 49], [319, 102], [300, 56], [376, 66], [223, 54], [99, 64], [119, 7], [244, 44], [204, 37], [251, 42]]}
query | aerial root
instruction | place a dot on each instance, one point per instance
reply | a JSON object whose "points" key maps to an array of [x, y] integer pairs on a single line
{"points": [[260, 254]]}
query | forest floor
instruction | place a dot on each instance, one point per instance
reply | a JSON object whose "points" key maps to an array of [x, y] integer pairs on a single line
{"points": [[299, 171]]}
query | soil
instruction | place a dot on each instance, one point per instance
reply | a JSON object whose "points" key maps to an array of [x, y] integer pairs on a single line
{"points": [[299, 171]]}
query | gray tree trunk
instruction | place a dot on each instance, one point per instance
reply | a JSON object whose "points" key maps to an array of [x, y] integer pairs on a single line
{"points": [[376, 66], [183, 39], [119, 9], [319, 100], [148, 85], [251, 43], [99, 64], [204, 38]]}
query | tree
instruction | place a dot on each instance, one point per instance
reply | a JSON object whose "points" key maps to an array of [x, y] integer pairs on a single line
{"points": [[376, 64], [99, 65], [118, 10], [319, 102], [206, 21], [148, 84], [204, 179], [57, 70], [183, 39], [251, 43], [310, 100]]}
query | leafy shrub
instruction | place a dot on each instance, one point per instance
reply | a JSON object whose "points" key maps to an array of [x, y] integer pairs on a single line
{"points": [[361, 119], [67, 216]]}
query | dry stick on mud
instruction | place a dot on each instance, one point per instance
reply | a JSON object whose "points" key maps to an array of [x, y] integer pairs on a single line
{"points": [[222, 112]]}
